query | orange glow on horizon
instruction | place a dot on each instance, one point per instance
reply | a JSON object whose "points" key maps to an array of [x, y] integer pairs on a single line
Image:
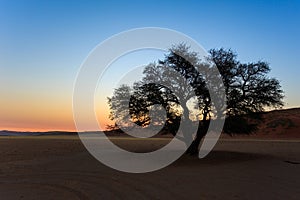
{"points": [[43, 122], [38, 113]]}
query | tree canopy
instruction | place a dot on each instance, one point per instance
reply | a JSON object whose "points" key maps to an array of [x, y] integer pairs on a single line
{"points": [[176, 85]]}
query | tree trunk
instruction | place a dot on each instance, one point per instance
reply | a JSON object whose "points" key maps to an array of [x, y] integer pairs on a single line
{"points": [[201, 132], [187, 124]]}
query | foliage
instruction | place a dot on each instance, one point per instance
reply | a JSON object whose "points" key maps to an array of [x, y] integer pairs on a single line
{"points": [[248, 90]]}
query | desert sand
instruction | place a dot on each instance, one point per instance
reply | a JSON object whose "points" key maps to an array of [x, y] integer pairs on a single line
{"points": [[59, 167]]}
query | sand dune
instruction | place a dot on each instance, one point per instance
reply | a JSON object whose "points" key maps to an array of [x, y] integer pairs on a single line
{"points": [[59, 167]]}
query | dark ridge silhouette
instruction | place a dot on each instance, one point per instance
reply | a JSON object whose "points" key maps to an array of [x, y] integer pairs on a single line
{"points": [[34, 133]]}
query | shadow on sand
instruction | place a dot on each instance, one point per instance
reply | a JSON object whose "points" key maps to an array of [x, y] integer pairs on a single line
{"points": [[221, 157]]}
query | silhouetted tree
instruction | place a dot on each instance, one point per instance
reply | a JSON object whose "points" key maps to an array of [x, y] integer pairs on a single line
{"points": [[248, 90]]}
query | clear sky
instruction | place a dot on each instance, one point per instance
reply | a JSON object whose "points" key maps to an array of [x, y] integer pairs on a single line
{"points": [[43, 43]]}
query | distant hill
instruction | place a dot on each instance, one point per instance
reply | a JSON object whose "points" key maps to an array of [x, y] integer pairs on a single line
{"points": [[280, 124], [276, 124], [20, 133]]}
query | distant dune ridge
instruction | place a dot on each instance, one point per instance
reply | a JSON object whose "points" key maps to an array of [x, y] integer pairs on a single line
{"points": [[29, 133], [283, 123]]}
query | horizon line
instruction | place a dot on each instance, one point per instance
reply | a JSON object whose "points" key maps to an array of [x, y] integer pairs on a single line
{"points": [[73, 131]]}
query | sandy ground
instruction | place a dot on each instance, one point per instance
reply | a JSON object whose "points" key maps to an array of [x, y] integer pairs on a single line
{"points": [[59, 167]]}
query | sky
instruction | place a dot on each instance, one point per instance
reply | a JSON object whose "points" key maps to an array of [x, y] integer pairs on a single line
{"points": [[44, 43]]}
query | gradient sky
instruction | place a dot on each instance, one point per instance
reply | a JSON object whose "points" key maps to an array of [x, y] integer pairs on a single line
{"points": [[43, 43]]}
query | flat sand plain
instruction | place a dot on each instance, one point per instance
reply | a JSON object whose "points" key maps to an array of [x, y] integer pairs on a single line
{"points": [[59, 167]]}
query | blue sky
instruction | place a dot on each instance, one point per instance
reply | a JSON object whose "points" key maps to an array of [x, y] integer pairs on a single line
{"points": [[43, 43]]}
